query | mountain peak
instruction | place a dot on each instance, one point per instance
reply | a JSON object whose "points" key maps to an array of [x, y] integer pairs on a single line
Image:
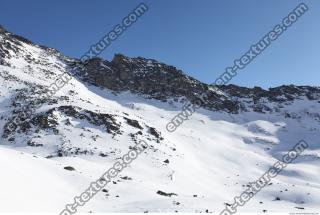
{"points": [[150, 78]]}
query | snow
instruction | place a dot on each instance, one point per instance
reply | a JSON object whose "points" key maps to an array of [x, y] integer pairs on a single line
{"points": [[213, 155]]}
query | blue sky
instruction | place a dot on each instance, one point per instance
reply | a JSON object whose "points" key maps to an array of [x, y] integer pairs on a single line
{"points": [[201, 37]]}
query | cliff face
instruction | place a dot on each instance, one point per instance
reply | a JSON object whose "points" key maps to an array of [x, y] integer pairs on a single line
{"points": [[157, 80]]}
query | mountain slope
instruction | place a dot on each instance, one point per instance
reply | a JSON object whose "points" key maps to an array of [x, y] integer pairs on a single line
{"points": [[107, 107]]}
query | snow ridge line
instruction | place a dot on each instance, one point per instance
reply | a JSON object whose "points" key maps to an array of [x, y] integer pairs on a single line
{"points": [[245, 59], [94, 51]]}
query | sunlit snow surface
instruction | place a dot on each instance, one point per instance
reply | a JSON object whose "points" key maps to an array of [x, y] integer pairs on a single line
{"points": [[212, 156]]}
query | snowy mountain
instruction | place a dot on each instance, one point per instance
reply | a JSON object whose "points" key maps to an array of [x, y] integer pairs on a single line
{"points": [[53, 147]]}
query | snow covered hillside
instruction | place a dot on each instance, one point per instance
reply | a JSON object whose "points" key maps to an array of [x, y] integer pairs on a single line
{"points": [[60, 144]]}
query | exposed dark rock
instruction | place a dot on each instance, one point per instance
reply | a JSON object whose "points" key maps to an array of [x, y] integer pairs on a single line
{"points": [[154, 132], [70, 168], [98, 119], [133, 123], [103, 154], [33, 144], [126, 178], [165, 194], [157, 80]]}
